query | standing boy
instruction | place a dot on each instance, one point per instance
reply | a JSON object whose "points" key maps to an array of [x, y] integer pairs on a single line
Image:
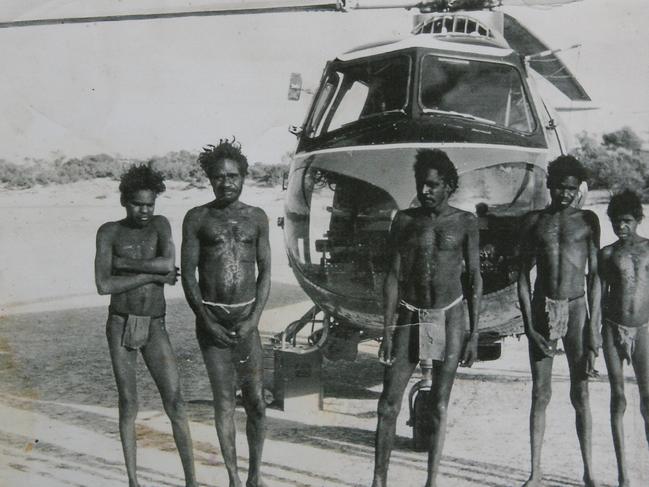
{"points": [[227, 240], [563, 242], [135, 259], [430, 247], [624, 270]]}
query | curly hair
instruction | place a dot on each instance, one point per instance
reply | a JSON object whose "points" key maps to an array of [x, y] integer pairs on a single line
{"points": [[139, 177], [563, 167], [227, 149], [437, 159], [626, 202]]}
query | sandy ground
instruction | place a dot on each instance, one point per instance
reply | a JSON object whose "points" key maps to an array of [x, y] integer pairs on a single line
{"points": [[58, 398]]}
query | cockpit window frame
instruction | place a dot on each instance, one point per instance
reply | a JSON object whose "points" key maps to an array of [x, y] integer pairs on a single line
{"points": [[317, 124], [528, 97]]}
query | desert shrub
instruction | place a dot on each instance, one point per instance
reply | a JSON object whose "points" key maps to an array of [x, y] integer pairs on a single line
{"points": [[16, 176], [615, 162], [175, 166], [88, 167], [179, 166], [624, 138], [267, 174]]}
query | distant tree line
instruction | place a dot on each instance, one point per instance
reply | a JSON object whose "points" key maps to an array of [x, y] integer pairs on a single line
{"points": [[616, 161], [175, 166]]}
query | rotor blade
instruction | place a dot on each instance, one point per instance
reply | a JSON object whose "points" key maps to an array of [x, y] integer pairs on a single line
{"points": [[549, 65], [536, 3], [83, 11], [57, 12]]}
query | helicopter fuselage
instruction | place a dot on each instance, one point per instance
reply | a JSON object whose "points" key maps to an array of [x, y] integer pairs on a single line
{"points": [[375, 108]]}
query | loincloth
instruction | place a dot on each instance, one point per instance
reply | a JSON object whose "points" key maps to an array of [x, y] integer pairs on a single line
{"points": [[137, 328], [556, 314], [432, 330], [625, 337], [228, 314]]}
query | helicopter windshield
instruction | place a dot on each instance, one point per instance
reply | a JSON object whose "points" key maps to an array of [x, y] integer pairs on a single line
{"points": [[360, 90], [489, 92]]}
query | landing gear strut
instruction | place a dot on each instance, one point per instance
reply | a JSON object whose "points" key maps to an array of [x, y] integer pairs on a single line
{"points": [[419, 402]]}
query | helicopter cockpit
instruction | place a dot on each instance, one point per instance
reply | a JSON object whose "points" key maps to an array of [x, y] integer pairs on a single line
{"points": [[361, 90], [491, 92], [487, 92]]}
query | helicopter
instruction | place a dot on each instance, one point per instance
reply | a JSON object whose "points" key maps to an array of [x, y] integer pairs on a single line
{"points": [[464, 81], [461, 82]]}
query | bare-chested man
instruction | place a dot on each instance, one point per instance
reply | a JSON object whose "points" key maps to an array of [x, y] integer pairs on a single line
{"points": [[624, 270], [563, 242], [135, 258], [225, 240], [429, 247]]}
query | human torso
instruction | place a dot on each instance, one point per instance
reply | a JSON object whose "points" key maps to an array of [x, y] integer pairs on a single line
{"points": [[138, 243], [228, 251], [562, 242], [431, 255], [627, 269]]}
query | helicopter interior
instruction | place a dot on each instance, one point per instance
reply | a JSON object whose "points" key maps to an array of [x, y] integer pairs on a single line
{"points": [[340, 242]]}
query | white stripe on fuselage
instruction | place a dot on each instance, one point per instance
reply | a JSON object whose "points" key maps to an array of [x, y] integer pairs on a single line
{"points": [[422, 145]]}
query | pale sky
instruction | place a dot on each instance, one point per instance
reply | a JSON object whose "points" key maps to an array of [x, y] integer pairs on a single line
{"points": [[142, 88]]}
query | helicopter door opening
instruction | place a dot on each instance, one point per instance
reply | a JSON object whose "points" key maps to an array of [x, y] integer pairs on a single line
{"points": [[337, 231]]}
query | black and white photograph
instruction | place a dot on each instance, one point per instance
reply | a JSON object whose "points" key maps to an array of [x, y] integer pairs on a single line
{"points": [[324, 243]]}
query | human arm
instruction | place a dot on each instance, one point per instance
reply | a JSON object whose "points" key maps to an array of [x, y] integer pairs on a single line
{"points": [[472, 265], [163, 263], [390, 293], [526, 260], [262, 288], [594, 293], [604, 278], [189, 256], [105, 281]]}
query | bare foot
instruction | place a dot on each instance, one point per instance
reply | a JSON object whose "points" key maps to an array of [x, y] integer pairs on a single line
{"points": [[534, 482], [588, 482]]}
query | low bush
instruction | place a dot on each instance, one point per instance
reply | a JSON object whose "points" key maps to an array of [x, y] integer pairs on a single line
{"points": [[616, 162], [175, 166], [268, 174]]}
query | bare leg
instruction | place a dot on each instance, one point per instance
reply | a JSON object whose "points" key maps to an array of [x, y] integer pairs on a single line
{"points": [[395, 380], [614, 366], [443, 378], [221, 372], [250, 369], [124, 361], [577, 354], [541, 394], [161, 362], [640, 361]]}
